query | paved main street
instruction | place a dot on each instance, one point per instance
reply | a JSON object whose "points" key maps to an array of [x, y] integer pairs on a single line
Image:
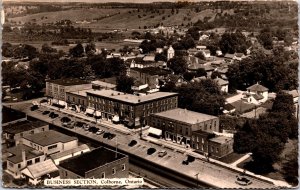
{"points": [[216, 173]]}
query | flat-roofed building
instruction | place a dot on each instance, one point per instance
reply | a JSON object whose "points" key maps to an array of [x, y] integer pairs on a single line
{"points": [[77, 99], [98, 84], [220, 146], [21, 156], [178, 124], [131, 107], [10, 116], [98, 163], [50, 142], [57, 89], [14, 132]]}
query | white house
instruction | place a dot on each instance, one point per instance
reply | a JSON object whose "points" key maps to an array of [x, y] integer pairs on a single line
{"points": [[256, 94], [171, 53]]}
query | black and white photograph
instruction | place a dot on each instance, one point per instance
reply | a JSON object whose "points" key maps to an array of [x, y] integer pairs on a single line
{"points": [[142, 94]]}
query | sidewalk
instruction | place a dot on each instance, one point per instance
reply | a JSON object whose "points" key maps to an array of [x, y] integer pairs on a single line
{"points": [[107, 124], [229, 166]]}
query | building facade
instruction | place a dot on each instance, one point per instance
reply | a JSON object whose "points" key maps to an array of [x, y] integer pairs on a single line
{"points": [[50, 142], [57, 89], [178, 124], [20, 157], [130, 107], [98, 163], [14, 132]]}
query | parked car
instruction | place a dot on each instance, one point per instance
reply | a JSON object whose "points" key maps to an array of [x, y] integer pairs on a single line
{"points": [[243, 180], [185, 162], [150, 151], [53, 115], [99, 132], [93, 129], [34, 107], [132, 143], [162, 153], [43, 101], [111, 136], [86, 127], [46, 112], [106, 134], [65, 120], [79, 124], [190, 158]]}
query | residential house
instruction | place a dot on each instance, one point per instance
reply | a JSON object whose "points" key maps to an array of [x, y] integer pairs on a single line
{"points": [[37, 173], [98, 163], [178, 124], [229, 57], [256, 94], [50, 142], [170, 53], [21, 156], [114, 105], [222, 83], [13, 133], [228, 109], [206, 53]]}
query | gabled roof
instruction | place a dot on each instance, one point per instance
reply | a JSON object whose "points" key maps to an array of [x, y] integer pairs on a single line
{"points": [[257, 88], [221, 82], [39, 169], [228, 107]]}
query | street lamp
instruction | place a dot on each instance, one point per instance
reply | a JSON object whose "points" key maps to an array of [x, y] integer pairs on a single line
{"points": [[197, 179]]}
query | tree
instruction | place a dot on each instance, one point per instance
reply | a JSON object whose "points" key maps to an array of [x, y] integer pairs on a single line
{"points": [[47, 49], [189, 76], [77, 51], [233, 42], [284, 103], [265, 38], [124, 84], [178, 65], [215, 74], [289, 169], [200, 55], [161, 57], [201, 72], [244, 141], [90, 48]]}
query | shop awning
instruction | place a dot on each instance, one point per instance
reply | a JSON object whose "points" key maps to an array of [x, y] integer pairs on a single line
{"points": [[62, 103], [155, 131], [89, 111], [97, 114], [116, 118]]}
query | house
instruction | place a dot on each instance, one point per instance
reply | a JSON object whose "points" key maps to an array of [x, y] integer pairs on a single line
{"points": [[177, 79], [192, 51], [239, 56], [21, 156], [60, 156], [228, 57], [228, 109], [50, 142], [222, 83], [56, 89], [36, 173], [219, 53], [203, 37], [194, 67], [98, 163], [159, 50], [201, 48], [256, 94], [13, 133], [206, 53], [178, 124]]}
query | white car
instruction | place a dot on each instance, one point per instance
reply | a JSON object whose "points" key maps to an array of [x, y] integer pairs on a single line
{"points": [[86, 127], [99, 132]]}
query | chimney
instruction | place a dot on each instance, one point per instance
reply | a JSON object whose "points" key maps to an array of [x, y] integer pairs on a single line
{"points": [[23, 156]]}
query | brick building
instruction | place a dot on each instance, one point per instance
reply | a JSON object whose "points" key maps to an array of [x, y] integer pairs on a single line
{"points": [[57, 89], [178, 124], [113, 104], [98, 163]]}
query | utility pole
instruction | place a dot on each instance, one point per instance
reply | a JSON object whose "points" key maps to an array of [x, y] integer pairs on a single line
{"points": [[197, 179]]}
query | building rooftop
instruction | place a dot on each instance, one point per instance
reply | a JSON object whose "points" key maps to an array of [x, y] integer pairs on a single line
{"points": [[257, 87], [91, 160], [152, 71], [68, 81], [111, 80], [22, 126], [68, 152], [103, 84], [220, 139], [9, 115], [129, 98], [220, 81], [79, 92], [41, 168], [16, 152], [49, 137], [185, 116]]}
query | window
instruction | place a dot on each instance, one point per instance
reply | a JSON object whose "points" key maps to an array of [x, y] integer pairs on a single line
{"points": [[19, 165], [202, 140], [66, 173], [113, 171], [123, 167], [29, 162], [197, 139], [103, 175], [217, 150], [43, 129], [73, 99], [52, 147], [37, 160]]}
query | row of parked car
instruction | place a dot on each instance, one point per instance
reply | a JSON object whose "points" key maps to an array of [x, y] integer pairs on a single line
{"points": [[150, 151]]}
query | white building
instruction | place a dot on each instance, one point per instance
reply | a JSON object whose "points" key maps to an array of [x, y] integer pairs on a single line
{"points": [[171, 53], [256, 94]]}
